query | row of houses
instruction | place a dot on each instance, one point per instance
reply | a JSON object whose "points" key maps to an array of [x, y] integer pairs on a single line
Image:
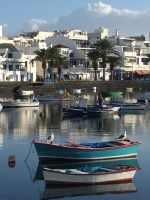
{"points": [[17, 52]]}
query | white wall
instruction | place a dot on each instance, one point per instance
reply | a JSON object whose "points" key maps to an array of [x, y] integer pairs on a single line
{"points": [[1, 31]]}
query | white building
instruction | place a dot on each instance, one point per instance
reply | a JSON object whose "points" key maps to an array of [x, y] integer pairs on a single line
{"points": [[1, 31], [14, 65]]}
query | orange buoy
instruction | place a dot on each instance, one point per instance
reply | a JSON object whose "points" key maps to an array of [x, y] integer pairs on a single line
{"points": [[11, 161]]}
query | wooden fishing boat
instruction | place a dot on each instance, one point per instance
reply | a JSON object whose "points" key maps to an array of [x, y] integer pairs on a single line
{"points": [[62, 191], [128, 105], [19, 103], [96, 111], [55, 164], [132, 106], [110, 174], [82, 108], [113, 94], [86, 151], [143, 97]]}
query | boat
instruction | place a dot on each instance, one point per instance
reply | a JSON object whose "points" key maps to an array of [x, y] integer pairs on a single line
{"points": [[62, 191], [77, 109], [55, 164], [128, 105], [22, 94], [96, 111], [113, 94], [52, 98], [132, 106], [86, 151], [100, 175], [143, 97], [19, 103], [81, 108]]}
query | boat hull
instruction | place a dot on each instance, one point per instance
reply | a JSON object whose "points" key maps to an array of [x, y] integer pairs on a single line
{"points": [[64, 177], [132, 107], [51, 98], [16, 104], [46, 151]]}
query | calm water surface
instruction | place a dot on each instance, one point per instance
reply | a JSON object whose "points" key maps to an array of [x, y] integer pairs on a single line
{"points": [[18, 127]]}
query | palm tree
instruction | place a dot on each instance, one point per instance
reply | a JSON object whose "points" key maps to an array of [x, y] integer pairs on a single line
{"points": [[60, 62], [94, 56], [105, 48], [53, 57], [113, 60], [42, 56]]}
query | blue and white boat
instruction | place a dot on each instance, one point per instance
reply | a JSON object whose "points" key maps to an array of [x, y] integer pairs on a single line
{"points": [[107, 174], [56, 164], [86, 151]]}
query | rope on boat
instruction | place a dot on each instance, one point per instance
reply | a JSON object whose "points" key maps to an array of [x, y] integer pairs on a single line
{"points": [[29, 152]]}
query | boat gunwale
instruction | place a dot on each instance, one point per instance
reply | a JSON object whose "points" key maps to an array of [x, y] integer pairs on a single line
{"points": [[87, 148], [92, 173]]}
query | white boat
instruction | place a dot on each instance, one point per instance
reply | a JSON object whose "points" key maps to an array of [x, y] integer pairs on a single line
{"points": [[128, 105], [52, 98], [142, 97], [27, 92], [19, 103], [54, 191], [132, 106], [101, 175]]}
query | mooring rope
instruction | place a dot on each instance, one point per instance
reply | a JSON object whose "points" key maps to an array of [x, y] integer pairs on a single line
{"points": [[29, 152]]}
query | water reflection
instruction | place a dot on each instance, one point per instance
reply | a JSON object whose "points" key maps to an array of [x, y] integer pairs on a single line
{"points": [[53, 192], [19, 126]]}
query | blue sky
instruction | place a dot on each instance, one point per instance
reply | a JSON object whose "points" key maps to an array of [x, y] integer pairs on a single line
{"points": [[130, 17]]}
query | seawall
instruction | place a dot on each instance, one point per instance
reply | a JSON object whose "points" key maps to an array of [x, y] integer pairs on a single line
{"points": [[6, 88]]}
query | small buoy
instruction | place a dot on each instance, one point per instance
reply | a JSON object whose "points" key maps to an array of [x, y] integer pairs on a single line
{"points": [[11, 161]]}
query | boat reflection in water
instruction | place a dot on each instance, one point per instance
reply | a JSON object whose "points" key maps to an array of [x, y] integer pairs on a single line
{"points": [[60, 191], [133, 162]]}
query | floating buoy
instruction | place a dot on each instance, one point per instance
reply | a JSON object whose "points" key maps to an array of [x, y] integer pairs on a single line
{"points": [[11, 161]]}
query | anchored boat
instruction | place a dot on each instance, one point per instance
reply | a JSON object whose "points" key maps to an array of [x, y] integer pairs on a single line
{"points": [[86, 151]]}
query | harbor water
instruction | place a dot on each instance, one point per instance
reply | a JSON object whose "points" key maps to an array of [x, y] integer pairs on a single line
{"points": [[20, 175]]}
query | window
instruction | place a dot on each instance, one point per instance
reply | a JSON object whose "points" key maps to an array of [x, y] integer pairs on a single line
{"points": [[71, 55], [10, 67], [17, 66], [10, 55], [4, 66]]}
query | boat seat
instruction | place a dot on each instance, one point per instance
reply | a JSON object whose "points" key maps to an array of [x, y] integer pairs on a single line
{"points": [[107, 169], [97, 145], [111, 145]]}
